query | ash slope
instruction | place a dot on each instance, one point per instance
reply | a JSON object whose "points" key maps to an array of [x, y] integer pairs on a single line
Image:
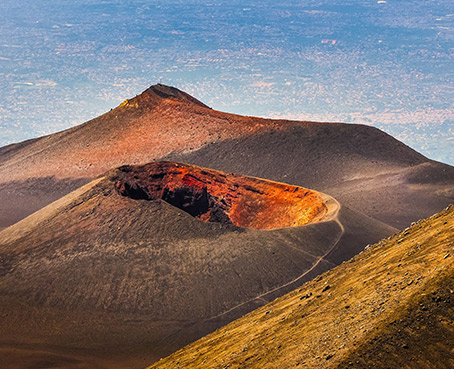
{"points": [[97, 279], [361, 166], [389, 307]]}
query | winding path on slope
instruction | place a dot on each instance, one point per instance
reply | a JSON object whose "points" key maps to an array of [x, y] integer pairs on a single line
{"points": [[332, 215]]}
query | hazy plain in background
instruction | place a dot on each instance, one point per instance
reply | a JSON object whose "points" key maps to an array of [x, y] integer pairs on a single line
{"points": [[386, 63]]}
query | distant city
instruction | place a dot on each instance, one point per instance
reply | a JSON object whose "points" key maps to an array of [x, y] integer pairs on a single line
{"points": [[384, 63]]}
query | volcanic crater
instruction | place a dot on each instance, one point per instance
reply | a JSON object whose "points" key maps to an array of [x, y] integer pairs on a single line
{"points": [[215, 196]]}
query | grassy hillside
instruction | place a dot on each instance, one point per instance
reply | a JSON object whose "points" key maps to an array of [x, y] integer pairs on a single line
{"points": [[391, 306]]}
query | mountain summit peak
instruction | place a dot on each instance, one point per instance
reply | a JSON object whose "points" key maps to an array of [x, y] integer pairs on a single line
{"points": [[161, 91]]}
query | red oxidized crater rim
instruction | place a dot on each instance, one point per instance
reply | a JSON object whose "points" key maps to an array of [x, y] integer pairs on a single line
{"points": [[215, 196]]}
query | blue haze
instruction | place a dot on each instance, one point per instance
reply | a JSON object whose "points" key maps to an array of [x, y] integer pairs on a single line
{"points": [[389, 64]]}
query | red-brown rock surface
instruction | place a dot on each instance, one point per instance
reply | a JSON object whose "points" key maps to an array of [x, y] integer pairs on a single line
{"points": [[220, 197]]}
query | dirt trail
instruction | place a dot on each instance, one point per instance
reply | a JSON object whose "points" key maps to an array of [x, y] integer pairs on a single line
{"points": [[332, 215]]}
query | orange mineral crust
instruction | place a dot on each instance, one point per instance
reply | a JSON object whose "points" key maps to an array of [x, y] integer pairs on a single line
{"points": [[215, 196]]}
